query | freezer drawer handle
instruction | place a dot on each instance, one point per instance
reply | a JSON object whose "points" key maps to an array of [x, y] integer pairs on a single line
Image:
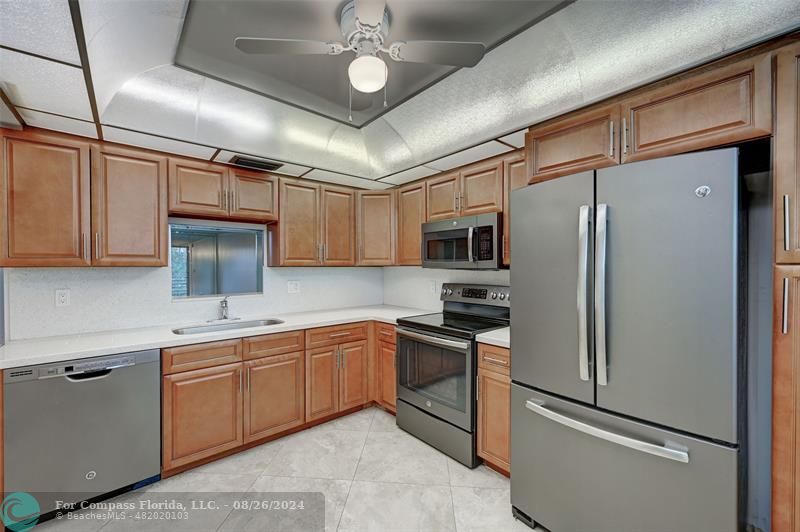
{"points": [[637, 445], [600, 294], [583, 292]]}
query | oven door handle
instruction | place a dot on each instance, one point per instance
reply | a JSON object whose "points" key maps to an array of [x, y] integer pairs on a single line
{"points": [[433, 340]]}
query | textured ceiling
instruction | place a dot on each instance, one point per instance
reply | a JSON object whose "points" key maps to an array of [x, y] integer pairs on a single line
{"points": [[319, 82]]}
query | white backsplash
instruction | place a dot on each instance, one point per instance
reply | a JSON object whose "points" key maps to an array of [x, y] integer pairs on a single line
{"points": [[409, 286], [103, 299]]}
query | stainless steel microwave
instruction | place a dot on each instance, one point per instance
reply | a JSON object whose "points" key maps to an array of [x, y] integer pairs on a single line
{"points": [[467, 243]]}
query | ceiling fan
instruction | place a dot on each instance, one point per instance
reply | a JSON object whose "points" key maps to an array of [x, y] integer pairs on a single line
{"points": [[365, 27]]}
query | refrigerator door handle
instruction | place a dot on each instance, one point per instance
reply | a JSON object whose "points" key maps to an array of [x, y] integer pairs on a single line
{"points": [[600, 294], [619, 439], [583, 292]]}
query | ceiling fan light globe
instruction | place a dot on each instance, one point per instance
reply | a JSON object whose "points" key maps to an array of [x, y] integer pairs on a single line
{"points": [[367, 73]]}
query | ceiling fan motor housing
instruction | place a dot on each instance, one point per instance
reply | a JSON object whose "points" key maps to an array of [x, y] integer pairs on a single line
{"points": [[361, 38]]}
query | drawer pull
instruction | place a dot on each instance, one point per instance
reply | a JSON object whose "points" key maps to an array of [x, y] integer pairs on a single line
{"points": [[496, 361], [337, 335]]}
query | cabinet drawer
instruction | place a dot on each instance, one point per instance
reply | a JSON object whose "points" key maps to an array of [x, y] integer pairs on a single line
{"points": [[273, 344], [198, 356], [335, 334], [494, 358], [385, 332]]}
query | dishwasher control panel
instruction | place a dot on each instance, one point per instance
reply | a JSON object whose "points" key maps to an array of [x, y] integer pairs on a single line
{"points": [[77, 367]]}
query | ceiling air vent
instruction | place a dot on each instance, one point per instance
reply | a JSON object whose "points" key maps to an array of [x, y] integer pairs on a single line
{"points": [[255, 164]]}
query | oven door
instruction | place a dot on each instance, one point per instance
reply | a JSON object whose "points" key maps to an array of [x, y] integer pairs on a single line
{"points": [[436, 374]]}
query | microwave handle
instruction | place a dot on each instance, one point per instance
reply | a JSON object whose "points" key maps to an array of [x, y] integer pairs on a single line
{"points": [[470, 233]]}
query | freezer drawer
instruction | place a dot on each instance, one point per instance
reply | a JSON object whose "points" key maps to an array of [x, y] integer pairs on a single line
{"points": [[578, 469]]}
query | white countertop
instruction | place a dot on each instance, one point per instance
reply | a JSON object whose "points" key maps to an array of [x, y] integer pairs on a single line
{"points": [[498, 337], [51, 349]]}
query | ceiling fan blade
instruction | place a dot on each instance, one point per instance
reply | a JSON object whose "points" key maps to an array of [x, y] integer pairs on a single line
{"points": [[370, 12], [463, 54], [258, 45]]}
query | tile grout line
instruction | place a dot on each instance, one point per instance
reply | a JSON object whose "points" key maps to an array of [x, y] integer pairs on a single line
{"points": [[452, 500], [350, 488]]}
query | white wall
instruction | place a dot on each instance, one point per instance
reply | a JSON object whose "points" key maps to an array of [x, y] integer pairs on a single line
{"points": [[117, 298], [409, 286]]}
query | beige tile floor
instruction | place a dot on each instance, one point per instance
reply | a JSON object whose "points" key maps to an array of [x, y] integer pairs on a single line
{"points": [[374, 476]]}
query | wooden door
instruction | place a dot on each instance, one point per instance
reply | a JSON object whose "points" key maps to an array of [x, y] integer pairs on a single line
{"points": [[442, 196], [375, 228], [786, 400], [253, 196], [338, 228], [410, 217], [299, 224], [786, 164], [129, 207], [494, 418], [582, 141], [726, 105], [388, 374], [44, 191], [353, 389], [322, 382], [482, 187], [274, 398], [198, 189], [515, 175], [202, 414]]}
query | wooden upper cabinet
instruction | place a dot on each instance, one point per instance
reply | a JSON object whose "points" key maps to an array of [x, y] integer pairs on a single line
{"points": [[375, 228], [274, 399], [338, 226], [202, 414], [129, 207], [253, 196], [786, 162], [299, 239], [353, 390], [786, 399], [442, 196], [583, 141], [723, 106], [198, 189], [515, 175], [322, 382], [45, 200], [410, 217], [482, 188]]}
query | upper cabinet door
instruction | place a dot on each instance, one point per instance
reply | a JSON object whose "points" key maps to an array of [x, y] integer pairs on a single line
{"points": [[515, 176], [584, 141], [375, 228], [443, 196], [45, 201], [338, 226], [253, 196], [786, 164], [129, 207], [410, 217], [482, 188], [727, 105], [198, 189], [299, 225]]}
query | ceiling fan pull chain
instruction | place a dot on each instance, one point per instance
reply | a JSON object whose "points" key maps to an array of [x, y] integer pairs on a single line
{"points": [[350, 104]]}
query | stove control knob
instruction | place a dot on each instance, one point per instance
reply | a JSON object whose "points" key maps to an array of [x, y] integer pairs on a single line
{"points": [[444, 291], [494, 295], [502, 296], [449, 291], [508, 298]]}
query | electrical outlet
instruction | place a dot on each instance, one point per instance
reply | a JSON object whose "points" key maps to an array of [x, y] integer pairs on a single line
{"points": [[433, 289], [62, 297], [293, 287]]}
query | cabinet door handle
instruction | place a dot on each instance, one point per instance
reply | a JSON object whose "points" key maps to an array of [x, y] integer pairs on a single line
{"points": [[224, 196], [611, 139], [496, 361], [97, 245], [786, 224], [624, 136], [247, 384], [85, 247], [785, 317], [455, 201], [232, 198], [337, 356], [240, 380]]}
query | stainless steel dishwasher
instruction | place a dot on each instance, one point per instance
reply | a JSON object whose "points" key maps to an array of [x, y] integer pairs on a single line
{"points": [[79, 429]]}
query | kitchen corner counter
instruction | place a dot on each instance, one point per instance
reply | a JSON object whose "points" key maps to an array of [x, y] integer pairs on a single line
{"points": [[18, 353], [498, 337]]}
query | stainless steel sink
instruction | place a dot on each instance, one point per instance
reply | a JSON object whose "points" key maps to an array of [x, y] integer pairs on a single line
{"points": [[212, 327]]}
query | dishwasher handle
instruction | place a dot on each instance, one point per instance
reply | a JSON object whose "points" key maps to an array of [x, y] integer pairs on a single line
{"points": [[89, 375]]}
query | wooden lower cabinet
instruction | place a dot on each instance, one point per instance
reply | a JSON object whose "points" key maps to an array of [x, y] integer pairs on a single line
{"points": [[202, 414], [274, 397], [353, 389], [322, 382], [494, 406], [387, 388]]}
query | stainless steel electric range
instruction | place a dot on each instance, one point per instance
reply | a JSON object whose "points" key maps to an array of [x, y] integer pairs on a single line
{"points": [[437, 367]]}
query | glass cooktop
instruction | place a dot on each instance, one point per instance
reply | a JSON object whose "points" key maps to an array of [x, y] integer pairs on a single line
{"points": [[460, 325]]}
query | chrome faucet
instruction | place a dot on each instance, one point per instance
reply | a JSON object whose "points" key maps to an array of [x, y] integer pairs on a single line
{"points": [[223, 307]]}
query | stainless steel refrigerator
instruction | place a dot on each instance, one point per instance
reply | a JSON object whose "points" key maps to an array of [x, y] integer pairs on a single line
{"points": [[625, 401]]}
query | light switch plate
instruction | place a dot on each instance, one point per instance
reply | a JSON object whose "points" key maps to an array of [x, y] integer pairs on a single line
{"points": [[62, 297], [293, 287]]}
